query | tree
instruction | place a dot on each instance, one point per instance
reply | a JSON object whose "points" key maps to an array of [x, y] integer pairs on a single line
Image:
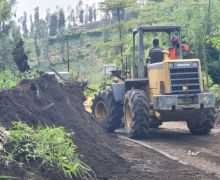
{"points": [[61, 26], [94, 13], [5, 33], [72, 18], [24, 25], [15, 33], [20, 57], [5, 10], [81, 16], [43, 29], [53, 24], [80, 12], [62, 20], [48, 18], [118, 8], [46, 39], [90, 14], [36, 22], [37, 50], [31, 26], [87, 14]]}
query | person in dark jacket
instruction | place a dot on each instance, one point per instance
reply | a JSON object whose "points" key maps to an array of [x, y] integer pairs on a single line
{"points": [[155, 53], [156, 46]]}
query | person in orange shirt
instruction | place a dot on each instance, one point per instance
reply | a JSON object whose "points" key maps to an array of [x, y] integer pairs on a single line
{"points": [[187, 53]]}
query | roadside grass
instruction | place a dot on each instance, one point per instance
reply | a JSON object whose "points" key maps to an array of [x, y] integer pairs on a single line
{"points": [[52, 147]]}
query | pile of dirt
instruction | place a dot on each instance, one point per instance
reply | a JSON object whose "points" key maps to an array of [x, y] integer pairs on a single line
{"points": [[46, 102]]}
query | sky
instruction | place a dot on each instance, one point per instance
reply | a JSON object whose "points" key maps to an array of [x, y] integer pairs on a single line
{"points": [[29, 5]]}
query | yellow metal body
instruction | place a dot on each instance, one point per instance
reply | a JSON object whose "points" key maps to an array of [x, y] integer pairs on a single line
{"points": [[88, 104], [160, 73]]}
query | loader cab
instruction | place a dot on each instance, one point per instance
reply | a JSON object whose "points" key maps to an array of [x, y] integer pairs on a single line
{"points": [[139, 34]]}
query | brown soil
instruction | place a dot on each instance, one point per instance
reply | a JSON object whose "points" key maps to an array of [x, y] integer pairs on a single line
{"points": [[46, 102]]}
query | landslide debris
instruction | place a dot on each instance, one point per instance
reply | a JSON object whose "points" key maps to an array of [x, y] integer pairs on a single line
{"points": [[46, 102]]}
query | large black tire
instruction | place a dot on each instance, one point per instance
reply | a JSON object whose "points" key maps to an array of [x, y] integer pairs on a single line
{"points": [[203, 124], [136, 114], [107, 112]]}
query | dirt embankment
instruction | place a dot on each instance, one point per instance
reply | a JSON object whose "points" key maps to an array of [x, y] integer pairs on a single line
{"points": [[46, 102]]}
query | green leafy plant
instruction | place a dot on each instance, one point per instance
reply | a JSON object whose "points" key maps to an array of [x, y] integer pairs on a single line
{"points": [[10, 79], [52, 147]]}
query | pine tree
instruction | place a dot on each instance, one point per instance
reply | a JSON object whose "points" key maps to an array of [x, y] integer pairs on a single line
{"points": [[48, 17], [36, 22], [61, 26], [37, 50], [72, 18], [62, 20], [94, 13], [80, 12], [31, 26], [81, 16], [87, 14], [90, 14], [5, 33], [53, 24], [24, 25]]}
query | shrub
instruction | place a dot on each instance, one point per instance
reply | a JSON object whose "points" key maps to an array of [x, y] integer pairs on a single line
{"points": [[9, 79], [52, 147]]}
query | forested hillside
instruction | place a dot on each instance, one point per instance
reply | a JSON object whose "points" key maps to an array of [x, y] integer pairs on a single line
{"points": [[90, 36]]}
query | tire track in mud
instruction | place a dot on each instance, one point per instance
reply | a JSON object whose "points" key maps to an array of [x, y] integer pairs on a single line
{"points": [[176, 143]]}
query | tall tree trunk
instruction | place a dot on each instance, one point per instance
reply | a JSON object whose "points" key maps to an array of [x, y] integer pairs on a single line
{"points": [[204, 43]]}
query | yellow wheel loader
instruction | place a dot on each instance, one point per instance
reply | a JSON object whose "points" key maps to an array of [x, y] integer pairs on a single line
{"points": [[157, 91]]}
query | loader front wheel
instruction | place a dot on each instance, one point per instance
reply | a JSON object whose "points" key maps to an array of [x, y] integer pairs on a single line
{"points": [[136, 114], [203, 124], [108, 113]]}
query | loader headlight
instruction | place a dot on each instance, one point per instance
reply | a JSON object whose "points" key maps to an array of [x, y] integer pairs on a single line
{"points": [[185, 88]]}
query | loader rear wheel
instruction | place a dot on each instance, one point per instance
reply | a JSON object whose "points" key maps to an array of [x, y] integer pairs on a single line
{"points": [[107, 112], [136, 114], [203, 124]]}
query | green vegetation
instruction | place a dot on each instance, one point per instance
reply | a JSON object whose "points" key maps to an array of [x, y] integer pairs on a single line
{"points": [[10, 79], [52, 147]]}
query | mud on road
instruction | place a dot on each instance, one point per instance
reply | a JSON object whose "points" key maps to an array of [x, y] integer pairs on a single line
{"points": [[174, 141]]}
